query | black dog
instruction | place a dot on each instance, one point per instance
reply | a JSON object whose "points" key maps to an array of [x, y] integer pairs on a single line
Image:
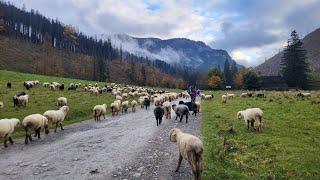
{"points": [[159, 112], [9, 85]]}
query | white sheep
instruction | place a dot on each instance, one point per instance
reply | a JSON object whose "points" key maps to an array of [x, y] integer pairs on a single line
{"points": [[134, 104], [98, 111], [115, 107], [1, 105], [125, 106], [57, 116], [190, 148], [7, 128], [244, 95], [23, 100], [224, 98], [62, 101], [35, 122], [208, 97], [167, 109], [251, 116], [119, 98], [230, 96]]}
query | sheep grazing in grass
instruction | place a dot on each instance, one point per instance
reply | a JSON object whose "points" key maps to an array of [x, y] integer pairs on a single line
{"points": [[244, 95], [167, 109], [23, 100], [35, 122], [190, 148], [181, 110], [57, 116], [61, 87], [98, 111], [208, 97], [230, 96], [9, 85], [158, 113], [303, 95], [124, 106], [224, 98], [134, 104], [251, 116], [16, 100], [115, 108], [62, 101], [7, 128], [1, 105]]}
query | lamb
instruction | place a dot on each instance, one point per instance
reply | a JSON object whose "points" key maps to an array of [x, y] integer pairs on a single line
{"points": [[134, 104], [9, 85], [7, 128], [125, 106], [190, 148], [23, 100], [158, 113], [180, 111], [167, 109], [62, 101], [1, 105], [57, 116], [224, 98], [98, 111], [35, 122], [251, 116], [115, 107]]}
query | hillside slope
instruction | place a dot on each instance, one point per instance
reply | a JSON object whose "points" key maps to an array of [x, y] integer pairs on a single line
{"points": [[178, 51], [22, 56], [311, 43]]}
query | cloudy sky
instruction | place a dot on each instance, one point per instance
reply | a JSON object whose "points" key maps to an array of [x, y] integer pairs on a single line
{"points": [[250, 30]]}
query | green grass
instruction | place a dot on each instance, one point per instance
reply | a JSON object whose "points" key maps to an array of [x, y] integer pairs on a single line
{"points": [[42, 99], [287, 148]]}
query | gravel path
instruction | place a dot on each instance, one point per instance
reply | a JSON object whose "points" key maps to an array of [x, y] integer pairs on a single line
{"points": [[129, 146]]}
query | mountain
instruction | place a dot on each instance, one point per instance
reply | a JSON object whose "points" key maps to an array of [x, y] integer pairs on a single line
{"points": [[177, 51], [311, 43]]}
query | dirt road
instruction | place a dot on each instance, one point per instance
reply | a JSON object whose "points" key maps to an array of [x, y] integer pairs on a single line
{"points": [[128, 146]]}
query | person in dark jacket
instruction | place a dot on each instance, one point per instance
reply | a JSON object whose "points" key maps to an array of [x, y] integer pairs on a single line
{"points": [[158, 112], [146, 103]]}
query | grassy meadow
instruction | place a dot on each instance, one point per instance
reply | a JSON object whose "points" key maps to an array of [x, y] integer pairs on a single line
{"points": [[42, 99], [287, 148]]}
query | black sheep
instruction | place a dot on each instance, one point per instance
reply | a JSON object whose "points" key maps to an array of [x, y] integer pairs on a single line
{"points": [[146, 103], [192, 107], [61, 87], [15, 99], [27, 85], [158, 112], [9, 85]]}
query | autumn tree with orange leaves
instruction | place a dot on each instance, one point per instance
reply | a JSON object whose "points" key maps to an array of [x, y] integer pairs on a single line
{"points": [[214, 81]]}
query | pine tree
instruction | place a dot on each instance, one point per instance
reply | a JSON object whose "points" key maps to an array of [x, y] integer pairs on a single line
{"points": [[295, 68], [227, 73]]}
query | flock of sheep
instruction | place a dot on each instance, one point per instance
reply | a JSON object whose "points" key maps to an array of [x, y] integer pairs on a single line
{"points": [[190, 147]]}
